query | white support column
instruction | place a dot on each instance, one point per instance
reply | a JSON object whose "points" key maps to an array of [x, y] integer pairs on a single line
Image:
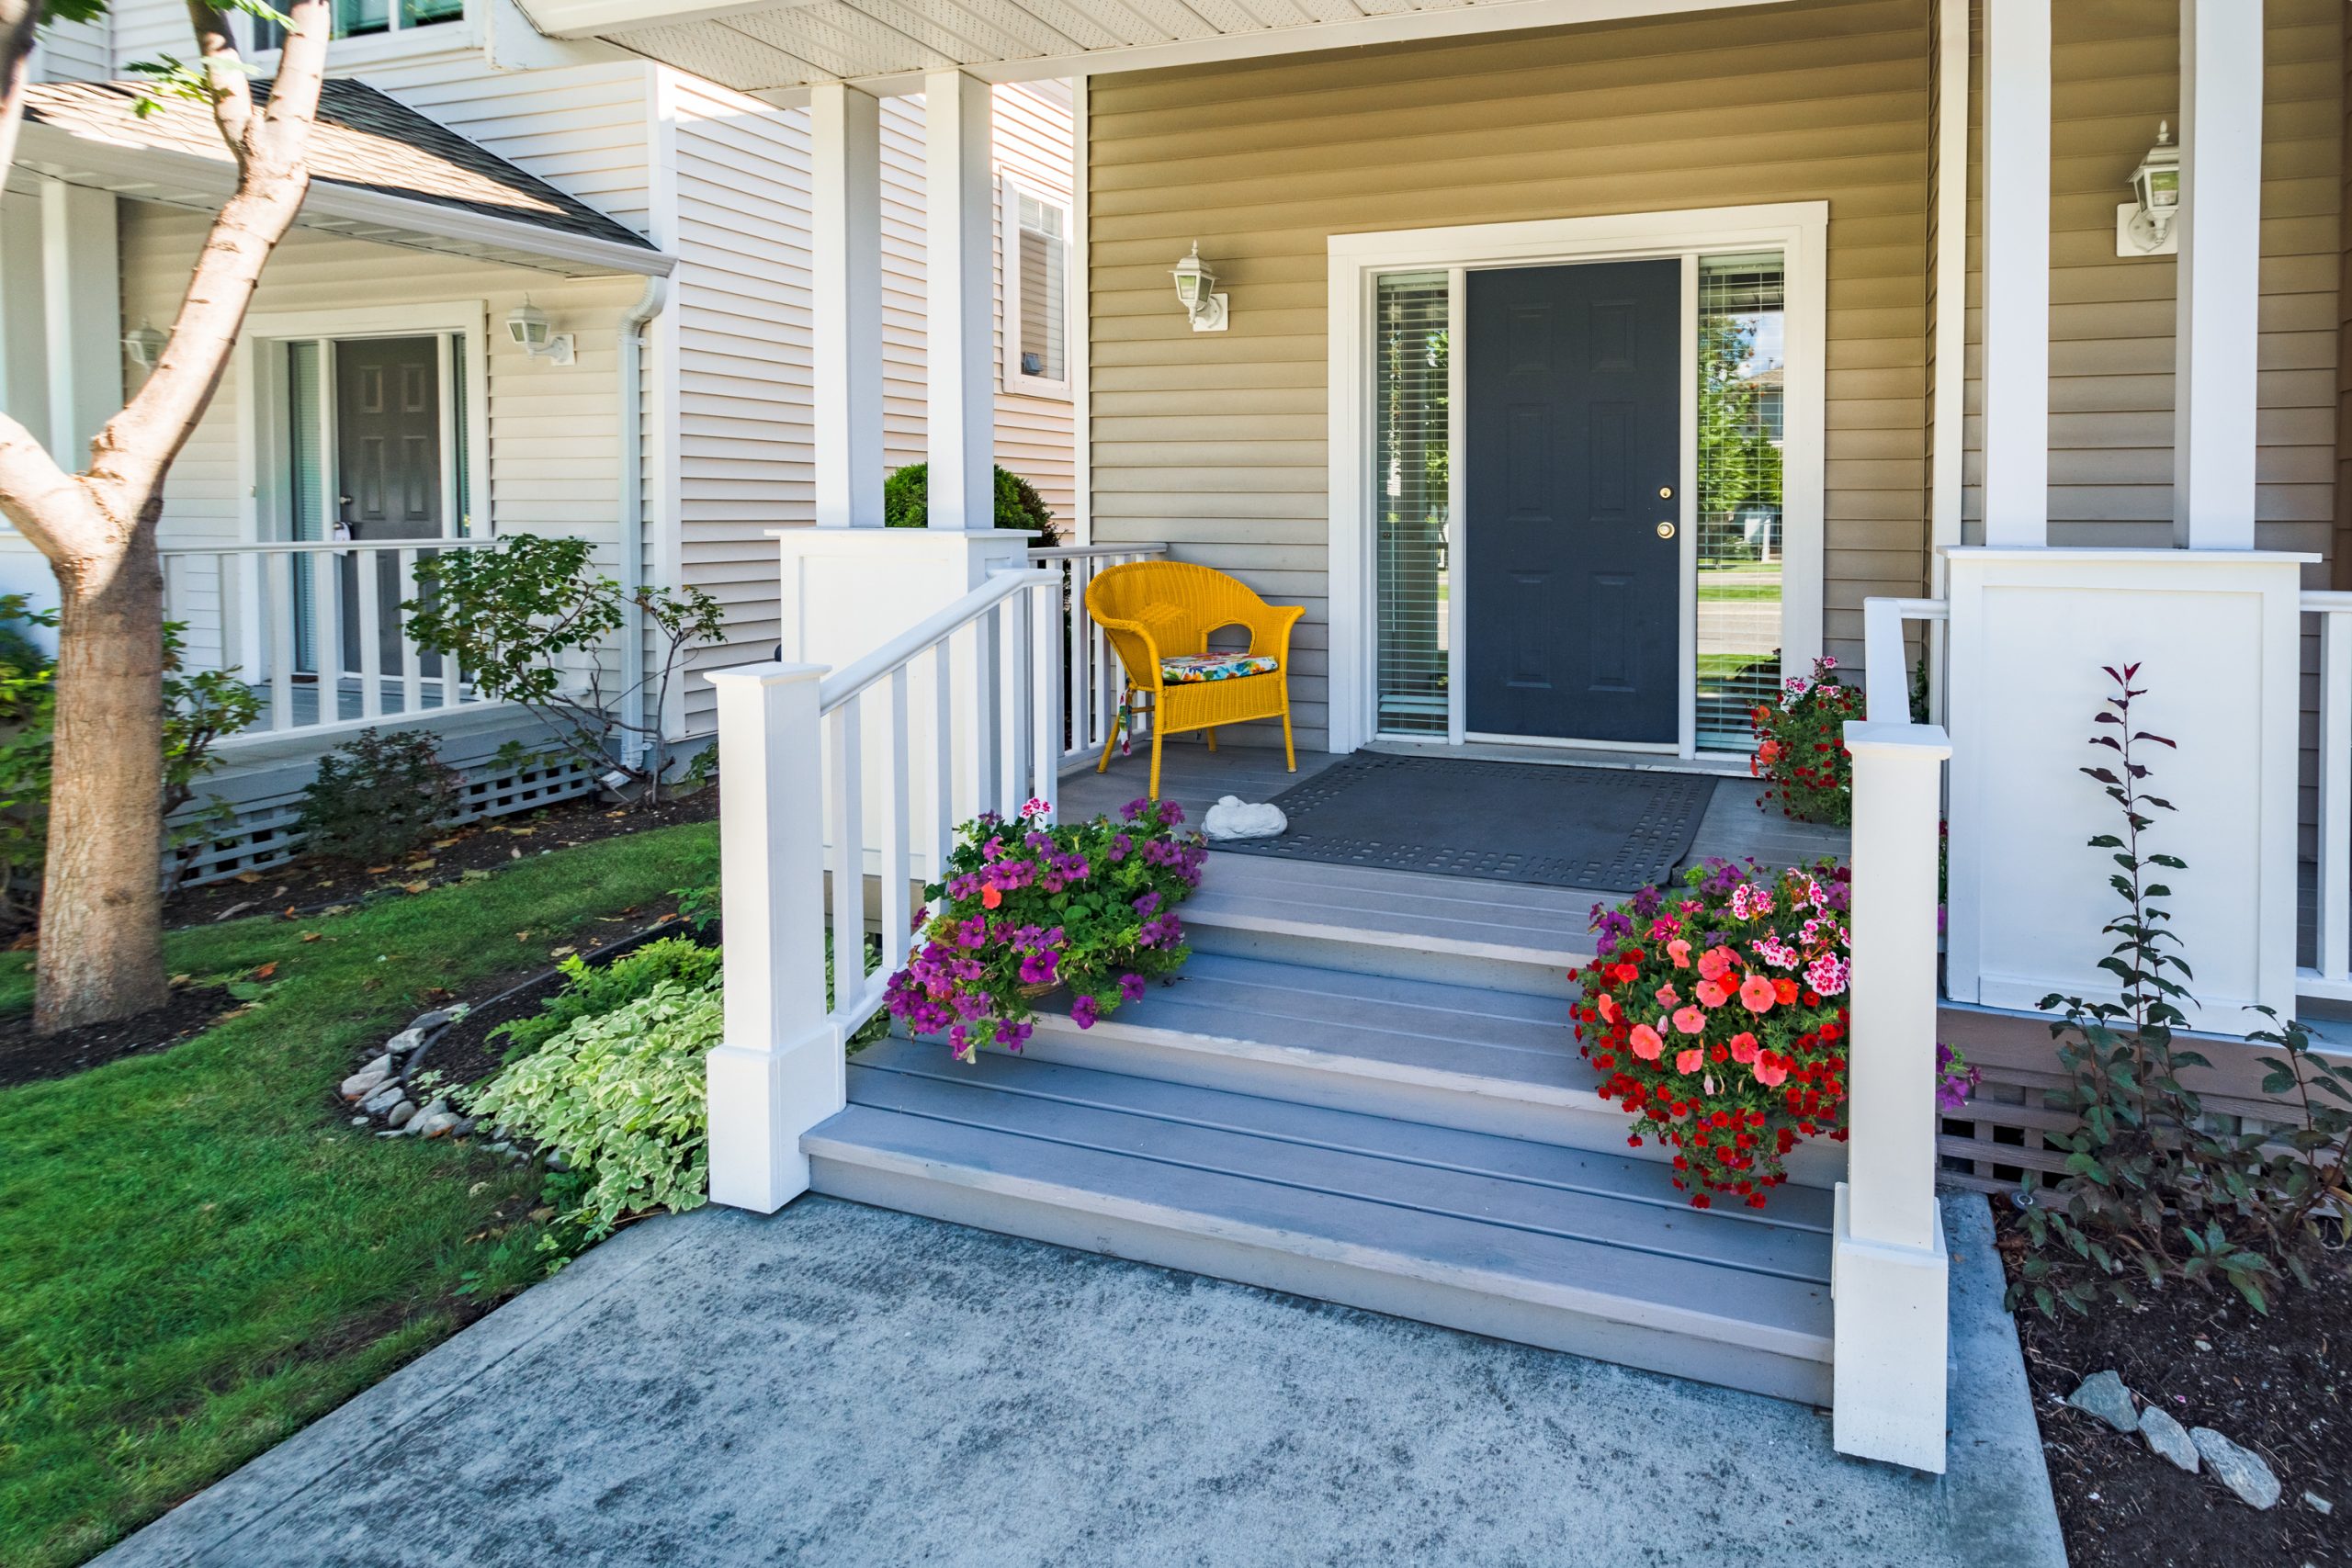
{"points": [[845, 277], [1890, 1268], [2220, 273], [781, 1069], [2017, 272], [960, 265], [81, 288]]}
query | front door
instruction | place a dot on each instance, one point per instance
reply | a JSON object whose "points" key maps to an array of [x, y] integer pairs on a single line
{"points": [[388, 465], [1573, 572]]}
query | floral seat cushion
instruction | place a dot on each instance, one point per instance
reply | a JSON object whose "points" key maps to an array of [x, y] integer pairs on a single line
{"points": [[1193, 670]]}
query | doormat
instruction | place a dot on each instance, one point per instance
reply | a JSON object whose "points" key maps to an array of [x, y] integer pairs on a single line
{"points": [[1609, 829]]}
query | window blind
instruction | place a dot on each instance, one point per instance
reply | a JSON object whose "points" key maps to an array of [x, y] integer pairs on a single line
{"points": [[1412, 460]]}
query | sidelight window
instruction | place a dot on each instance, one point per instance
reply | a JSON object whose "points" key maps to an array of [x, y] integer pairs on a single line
{"points": [[1743, 308], [1412, 453]]}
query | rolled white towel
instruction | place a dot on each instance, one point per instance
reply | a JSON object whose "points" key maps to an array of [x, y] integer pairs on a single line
{"points": [[1234, 817]]}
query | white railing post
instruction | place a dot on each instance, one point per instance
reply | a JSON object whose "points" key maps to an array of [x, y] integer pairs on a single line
{"points": [[780, 1070], [2333, 940], [1888, 1267]]}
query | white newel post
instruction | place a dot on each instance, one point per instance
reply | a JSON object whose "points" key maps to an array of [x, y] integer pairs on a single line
{"points": [[2015, 393], [1889, 1268], [845, 289], [780, 1070]]}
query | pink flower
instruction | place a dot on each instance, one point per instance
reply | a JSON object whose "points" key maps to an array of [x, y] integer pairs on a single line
{"points": [[1646, 1044], [1606, 1005], [1755, 994], [1689, 1020], [1679, 951], [1711, 995], [1714, 964], [1827, 975], [1689, 1060], [1667, 997], [1770, 1071], [1743, 1047]]}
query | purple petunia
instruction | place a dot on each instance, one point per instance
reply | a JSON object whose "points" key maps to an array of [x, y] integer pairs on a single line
{"points": [[1084, 1011]]}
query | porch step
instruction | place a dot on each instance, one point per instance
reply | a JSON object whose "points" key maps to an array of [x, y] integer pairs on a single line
{"points": [[1369, 921], [1566, 1249]]}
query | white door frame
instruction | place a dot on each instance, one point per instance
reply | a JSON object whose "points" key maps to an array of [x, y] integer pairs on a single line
{"points": [[1799, 230]]}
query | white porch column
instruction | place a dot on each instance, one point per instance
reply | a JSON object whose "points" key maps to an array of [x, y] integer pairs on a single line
{"points": [[780, 1070], [81, 303], [959, 266], [2017, 272], [845, 274], [1889, 1269], [2220, 272]]}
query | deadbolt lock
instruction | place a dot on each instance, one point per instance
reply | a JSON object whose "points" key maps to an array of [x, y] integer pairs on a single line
{"points": [[1666, 530]]}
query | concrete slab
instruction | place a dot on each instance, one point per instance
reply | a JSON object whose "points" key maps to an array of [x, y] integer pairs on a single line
{"points": [[837, 1384]]}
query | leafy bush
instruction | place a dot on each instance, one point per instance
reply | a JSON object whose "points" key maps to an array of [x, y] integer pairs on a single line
{"points": [[905, 503], [378, 796], [1801, 747], [1026, 907], [2154, 1189], [531, 623], [589, 993], [620, 1097], [198, 709]]}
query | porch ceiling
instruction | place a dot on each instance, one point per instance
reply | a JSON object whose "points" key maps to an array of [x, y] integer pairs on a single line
{"points": [[778, 50]]}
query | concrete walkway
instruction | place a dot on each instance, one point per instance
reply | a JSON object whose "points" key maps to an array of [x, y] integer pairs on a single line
{"points": [[837, 1384]]}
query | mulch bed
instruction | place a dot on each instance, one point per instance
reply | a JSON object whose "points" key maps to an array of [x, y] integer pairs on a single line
{"points": [[27, 1058], [306, 887], [2273, 1384]]}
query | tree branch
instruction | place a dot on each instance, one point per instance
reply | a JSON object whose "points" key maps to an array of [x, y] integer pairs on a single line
{"points": [[45, 503], [20, 31]]}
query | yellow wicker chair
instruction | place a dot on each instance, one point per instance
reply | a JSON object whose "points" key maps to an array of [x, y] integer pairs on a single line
{"points": [[1158, 614]]}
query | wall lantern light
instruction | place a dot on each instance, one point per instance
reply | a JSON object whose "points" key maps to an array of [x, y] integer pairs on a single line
{"points": [[535, 335], [1196, 289], [144, 343], [2145, 226]]}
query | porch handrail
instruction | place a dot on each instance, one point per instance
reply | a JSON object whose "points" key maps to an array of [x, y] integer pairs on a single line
{"points": [[1886, 686], [821, 799], [1095, 681], [324, 546], [2330, 973]]}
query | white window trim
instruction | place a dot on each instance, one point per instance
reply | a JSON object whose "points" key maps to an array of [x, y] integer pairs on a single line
{"points": [[1799, 230], [1018, 381], [458, 35]]}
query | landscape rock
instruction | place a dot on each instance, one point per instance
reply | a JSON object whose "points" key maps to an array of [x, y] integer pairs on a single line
{"points": [[359, 1121], [402, 1113], [2318, 1505], [2167, 1439], [435, 1121], [462, 1127], [365, 1082], [2236, 1468], [426, 1022], [384, 1099], [2103, 1394], [406, 1041]]}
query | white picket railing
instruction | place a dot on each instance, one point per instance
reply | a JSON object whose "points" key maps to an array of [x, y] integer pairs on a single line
{"points": [[2331, 976], [275, 613], [1095, 681], [821, 770]]}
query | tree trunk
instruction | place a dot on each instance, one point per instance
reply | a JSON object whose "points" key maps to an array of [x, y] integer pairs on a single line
{"points": [[101, 949]]}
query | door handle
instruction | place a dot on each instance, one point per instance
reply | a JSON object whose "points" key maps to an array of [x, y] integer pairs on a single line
{"points": [[1666, 530]]}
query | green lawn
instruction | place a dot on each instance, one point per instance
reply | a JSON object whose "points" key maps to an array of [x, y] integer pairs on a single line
{"points": [[197, 1256]]}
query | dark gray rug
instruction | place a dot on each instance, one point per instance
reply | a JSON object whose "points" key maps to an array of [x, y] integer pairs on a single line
{"points": [[1609, 830]]}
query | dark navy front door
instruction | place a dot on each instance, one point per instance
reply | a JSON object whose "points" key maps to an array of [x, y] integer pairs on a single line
{"points": [[1574, 441]]}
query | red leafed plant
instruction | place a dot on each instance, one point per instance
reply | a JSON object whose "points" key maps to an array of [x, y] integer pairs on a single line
{"points": [[1716, 1015], [1801, 750]]}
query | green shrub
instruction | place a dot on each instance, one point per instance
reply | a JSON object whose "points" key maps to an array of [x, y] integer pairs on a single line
{"points": [[589, 993], [376, 797], [905, 503], [620, 1095]]}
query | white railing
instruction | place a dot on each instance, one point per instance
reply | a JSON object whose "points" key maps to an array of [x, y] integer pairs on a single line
{"points": [[1886, 673], [1096, 681], [276, 615], [2331, 977], [821, 770]]}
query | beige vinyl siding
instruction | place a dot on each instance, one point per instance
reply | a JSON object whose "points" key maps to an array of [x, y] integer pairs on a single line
{"points": [[2116, 73], [1215, 441], [1033, 435], [552, 454]]}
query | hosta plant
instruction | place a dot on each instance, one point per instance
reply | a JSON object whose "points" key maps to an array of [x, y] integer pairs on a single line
{"points": [[1717, 1016], [1027, 908], [1800, 747]]}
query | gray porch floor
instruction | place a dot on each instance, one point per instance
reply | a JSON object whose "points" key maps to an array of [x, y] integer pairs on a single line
{"points": [[839, 1384]]}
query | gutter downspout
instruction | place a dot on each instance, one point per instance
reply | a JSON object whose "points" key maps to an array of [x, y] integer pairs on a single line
{"points": [[633, 324]]}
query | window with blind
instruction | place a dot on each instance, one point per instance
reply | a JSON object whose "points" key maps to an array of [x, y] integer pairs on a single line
{"points": [[1036, 273], [1743, 303], [1412, 454]]}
